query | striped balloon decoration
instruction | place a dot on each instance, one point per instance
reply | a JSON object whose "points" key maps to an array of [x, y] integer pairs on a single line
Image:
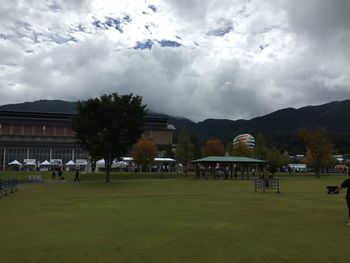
{"points": [[245, 138]]}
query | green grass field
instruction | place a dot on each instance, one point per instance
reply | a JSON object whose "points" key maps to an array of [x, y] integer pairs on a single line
{"points": [[174, 220]]}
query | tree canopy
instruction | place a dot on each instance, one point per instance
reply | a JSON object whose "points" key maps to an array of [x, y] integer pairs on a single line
{"points": [[213, 147], [319, 148], [144, 151], [107, 127], [241, 149]]}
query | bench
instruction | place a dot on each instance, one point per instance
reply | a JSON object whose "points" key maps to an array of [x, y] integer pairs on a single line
{"points": [[8, 185], [3, 190], [35, 179], [270, 184]]}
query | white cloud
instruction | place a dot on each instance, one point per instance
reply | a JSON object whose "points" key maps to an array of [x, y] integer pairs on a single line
{"points": [[238, 59]]}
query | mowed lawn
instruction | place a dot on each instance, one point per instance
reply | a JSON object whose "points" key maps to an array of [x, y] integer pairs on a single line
{"points": [[174, 220]]}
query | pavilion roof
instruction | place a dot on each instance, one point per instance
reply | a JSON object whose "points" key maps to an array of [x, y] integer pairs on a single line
{"points": [[227, 159]]}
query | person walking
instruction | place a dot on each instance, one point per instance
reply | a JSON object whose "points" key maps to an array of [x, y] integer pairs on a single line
{"points": [[60, 173], [76, 175], [53, 174], [346, 184]]}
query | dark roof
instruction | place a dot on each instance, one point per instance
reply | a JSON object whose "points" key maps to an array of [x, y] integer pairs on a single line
{"points": [[151, 122], [227, 159], [33, 115]]}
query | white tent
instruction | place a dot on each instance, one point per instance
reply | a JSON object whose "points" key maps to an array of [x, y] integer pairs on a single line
{"points": [[70, 163], [15, 162], [164, 160], [101, 163], [127, 159], [115, 164], [30, 163], [81, 162], [45, 163]]}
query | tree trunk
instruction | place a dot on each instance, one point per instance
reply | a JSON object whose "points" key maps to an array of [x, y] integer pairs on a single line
{"points": [[107, 167], [317, 172]]}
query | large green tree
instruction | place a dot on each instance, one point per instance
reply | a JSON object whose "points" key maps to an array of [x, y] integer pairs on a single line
{"points": [[276, 159], [261, 149], [319, 148], [107, 127], [184, 149]]}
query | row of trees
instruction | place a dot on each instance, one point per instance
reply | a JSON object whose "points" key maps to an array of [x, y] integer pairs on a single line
{"points": [[111, 126], [214, 147], [318, 145]]}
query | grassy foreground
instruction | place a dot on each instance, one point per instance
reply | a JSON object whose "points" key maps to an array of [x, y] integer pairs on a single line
{"points": [[174, 220]]}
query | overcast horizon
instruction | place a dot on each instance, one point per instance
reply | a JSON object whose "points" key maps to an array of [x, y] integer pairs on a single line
{"points": [[228, 59]]}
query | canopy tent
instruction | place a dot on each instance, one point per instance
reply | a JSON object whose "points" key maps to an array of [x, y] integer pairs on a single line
{"points": [[297, 167], [70, 163], [127, 159], [81, 162], [29, 163], [115, 164], [15, 162], [45, 163], [56, 162], [170, 160], [100, 162], [228, 160]]}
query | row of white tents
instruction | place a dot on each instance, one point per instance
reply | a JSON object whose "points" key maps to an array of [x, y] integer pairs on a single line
{"points": [[127, 162], [123, 163], [44, 163], [32, 164]]}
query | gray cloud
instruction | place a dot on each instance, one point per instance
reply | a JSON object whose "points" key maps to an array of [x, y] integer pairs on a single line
{"points": [[306, 59]]}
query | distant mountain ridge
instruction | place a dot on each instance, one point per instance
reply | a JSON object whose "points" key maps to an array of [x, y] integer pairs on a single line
{"points": [[60, 106], [279, 127]]}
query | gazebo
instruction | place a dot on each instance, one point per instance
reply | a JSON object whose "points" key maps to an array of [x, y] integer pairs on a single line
{"points": [[230, 164]]}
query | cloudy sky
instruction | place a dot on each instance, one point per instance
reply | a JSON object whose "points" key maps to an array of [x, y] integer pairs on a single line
{"points": [[193, 58]]}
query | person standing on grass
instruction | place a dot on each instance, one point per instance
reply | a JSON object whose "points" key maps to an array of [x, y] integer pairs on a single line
{"points": [[53, 174], [76, 175], [266, 176], [346, 184]]}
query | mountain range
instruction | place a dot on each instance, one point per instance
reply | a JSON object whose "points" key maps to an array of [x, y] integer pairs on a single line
{"points": [[279, 127]]}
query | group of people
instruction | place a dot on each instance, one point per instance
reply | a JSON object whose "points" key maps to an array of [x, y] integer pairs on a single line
{"points": [[60, 174]]}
